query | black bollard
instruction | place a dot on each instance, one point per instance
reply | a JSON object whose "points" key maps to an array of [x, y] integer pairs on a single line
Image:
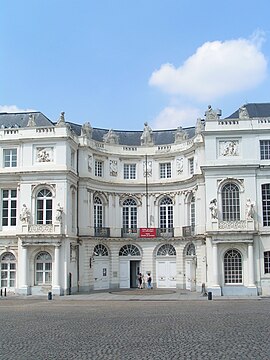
{"points": [[1, 292], [5, 292], [49, 295], [209, 295]]}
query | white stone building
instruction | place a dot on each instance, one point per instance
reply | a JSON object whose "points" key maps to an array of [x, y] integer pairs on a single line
{"points": [[86, 208]]}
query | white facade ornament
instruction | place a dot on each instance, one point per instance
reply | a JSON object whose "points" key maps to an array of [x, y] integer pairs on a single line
{"points": [[179, 165], [199, 127], [31, 121], [87, 130], [44, 154], [213, 209], [229, 148], [25, 214], [90, 163], [147, 172], [113, 167], [249, 209], [111, 137], [180, 135], [147, 135], [59, 212], [243, 113], [211, 114], [61, 122]]}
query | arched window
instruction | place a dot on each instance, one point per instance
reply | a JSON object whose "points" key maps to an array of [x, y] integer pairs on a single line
{"points": [[166, 250], [43, 267], [44, 207], [129, 215], [98, 212], [230, 202], [233, 267], [8, 270], [191, 250], [100, 250], [166, 213], [129, 250]]}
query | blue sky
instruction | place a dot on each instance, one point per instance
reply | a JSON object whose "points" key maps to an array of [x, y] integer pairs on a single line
{"points": [[119, 63]]}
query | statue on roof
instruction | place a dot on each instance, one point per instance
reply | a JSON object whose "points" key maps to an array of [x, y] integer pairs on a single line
{"points": [[87, 130], [31, 121], [147, 135], [199, 126], [61, 121], [180, 135], [212, 114], [243, 113], [111, 137]]}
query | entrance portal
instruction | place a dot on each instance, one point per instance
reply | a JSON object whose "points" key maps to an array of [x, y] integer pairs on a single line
{"points": [[129, 266]]}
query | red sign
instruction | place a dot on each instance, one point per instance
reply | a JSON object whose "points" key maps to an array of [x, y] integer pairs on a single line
{"points": [[148, 232]]}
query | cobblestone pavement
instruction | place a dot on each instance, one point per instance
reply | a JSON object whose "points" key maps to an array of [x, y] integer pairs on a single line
{"points": [[75, 329]]}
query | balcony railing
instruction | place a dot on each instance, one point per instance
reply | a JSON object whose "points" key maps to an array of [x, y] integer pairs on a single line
{"points": [[188, 230], [35, 229], [236, 225], [129, 232], [102, 232], [165, 232]]}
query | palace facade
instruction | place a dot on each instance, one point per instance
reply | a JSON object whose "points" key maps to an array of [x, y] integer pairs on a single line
{"points": [[86, 208]]}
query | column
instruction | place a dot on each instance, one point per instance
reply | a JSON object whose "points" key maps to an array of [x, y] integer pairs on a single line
{"points": [[215, 265], [250, 265], [56, 285], [24, 269]]}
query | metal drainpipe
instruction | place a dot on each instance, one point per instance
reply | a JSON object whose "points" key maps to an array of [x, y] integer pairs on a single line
{"points": [[77, 219]]}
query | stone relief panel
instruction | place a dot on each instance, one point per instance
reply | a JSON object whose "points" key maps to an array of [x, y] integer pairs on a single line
{"points": [[147, 171], [44, 154], [113, 167], [229, 148], [90, 163], [179, 165]]}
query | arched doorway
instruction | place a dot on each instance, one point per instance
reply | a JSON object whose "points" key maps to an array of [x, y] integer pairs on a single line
{"points": [[190, 263], [101, 267], [166, 266], [130, 263]]}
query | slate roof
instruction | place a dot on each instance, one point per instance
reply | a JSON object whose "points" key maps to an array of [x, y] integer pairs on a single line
{"points": [[254, 110], [129, 138]]}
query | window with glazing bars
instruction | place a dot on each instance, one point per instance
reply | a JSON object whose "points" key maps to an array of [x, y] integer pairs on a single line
{"points": [[265, 149], [98, 168], [233, 267], [267, 262], [266, 204], [230, 202], [10, 157], [192, 213], [129, 214], [166, 213], [165, 170], [129, 171], [44, 207], [98, 213], [9, 207]]}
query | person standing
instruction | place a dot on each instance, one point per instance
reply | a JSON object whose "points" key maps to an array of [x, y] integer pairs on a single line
{"points": [[140, 281], [149, 282]]}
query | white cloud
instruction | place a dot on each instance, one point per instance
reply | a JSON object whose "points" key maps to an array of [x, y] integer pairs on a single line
{"points": [[13, 109], [171, 117], [216, 69]]}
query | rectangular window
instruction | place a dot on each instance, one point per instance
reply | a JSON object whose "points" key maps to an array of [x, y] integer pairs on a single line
{"points": [[9, 207], [98, 168], [129, 171], [265, 149], [165, 170], [191, 166], [266, 204], [267, 262], [10, 157]]}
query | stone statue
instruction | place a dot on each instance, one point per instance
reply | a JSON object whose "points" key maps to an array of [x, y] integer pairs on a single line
{"points": [[147, 135], [61, 122], [213, 209], [31, 121], [87, 130], [180, 135], [25, 214], [59, 213], [199, 127], [211, 114], [249, 209], [243, 113], [111, 137]]}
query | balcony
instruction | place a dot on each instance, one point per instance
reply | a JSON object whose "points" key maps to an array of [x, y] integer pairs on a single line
{"points": [[129, 232], [231, 226], [165, 232], [102, 232], [42, 228]]}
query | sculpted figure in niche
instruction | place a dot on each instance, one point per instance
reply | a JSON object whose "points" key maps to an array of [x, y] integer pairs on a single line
{"points": [[180, 135], [59, 212], [111, 137], [180, 165], [43, 156], [213, 209], [87, 130], [25, 214], [249, 209], [147, 135], [113, 168]]}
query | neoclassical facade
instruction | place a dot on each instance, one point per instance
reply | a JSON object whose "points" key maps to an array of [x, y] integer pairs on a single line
{"points": [[86, 208]]}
